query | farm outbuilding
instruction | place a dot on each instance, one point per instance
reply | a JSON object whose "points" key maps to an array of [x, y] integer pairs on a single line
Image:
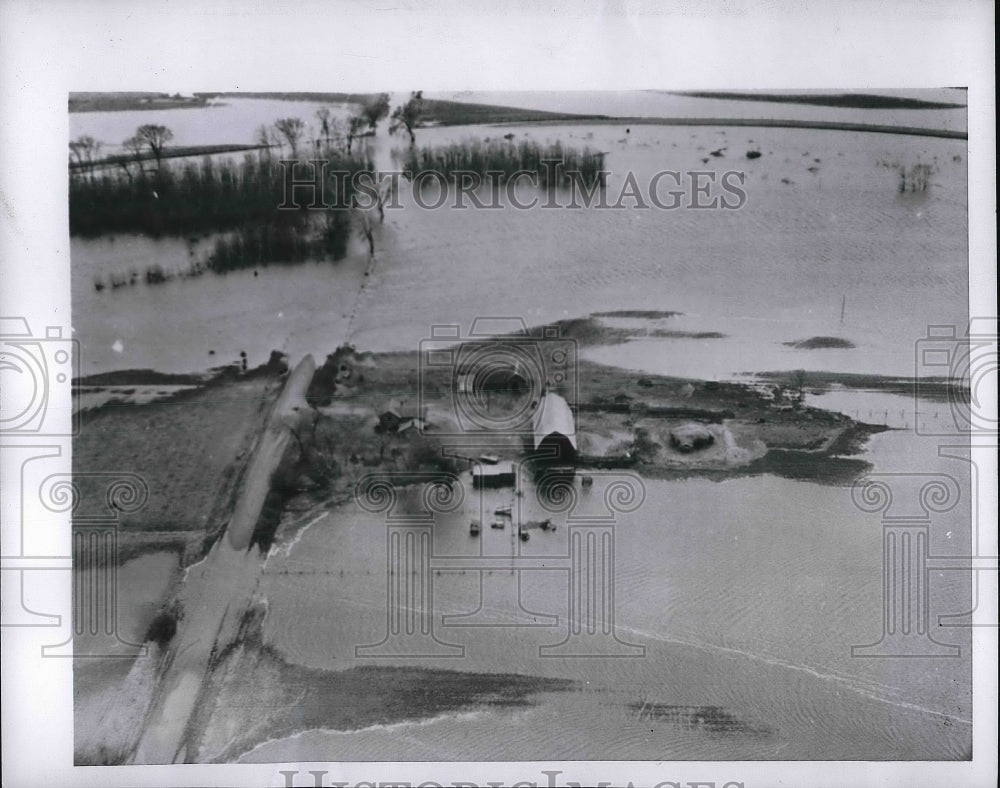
{"points": [[500, 475], [554, 429]]}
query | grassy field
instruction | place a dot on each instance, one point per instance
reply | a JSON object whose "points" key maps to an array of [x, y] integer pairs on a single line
{"points": [[132, 100], [189, 449]]}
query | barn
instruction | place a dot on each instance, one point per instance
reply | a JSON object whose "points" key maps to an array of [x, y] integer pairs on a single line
{"points": [[554, 430]]}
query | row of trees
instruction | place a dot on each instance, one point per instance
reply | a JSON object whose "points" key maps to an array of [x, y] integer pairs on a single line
{"points": [[340, 134], [150, 140]]}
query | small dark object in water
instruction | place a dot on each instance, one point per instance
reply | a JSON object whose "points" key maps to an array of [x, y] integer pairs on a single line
{"points": [[255, 273], [753, 154], [821, 343], [719, 153], [704, 161], [211, 352]]}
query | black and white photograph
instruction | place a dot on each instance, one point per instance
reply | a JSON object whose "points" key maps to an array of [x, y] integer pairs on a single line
{"points": [[384, 425]]}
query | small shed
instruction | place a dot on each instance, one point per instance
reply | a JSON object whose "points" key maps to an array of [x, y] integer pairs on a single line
{"points": [[500, 475]]}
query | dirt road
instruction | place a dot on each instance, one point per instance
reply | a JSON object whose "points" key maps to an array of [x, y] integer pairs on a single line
{"points": [[219, 589]]}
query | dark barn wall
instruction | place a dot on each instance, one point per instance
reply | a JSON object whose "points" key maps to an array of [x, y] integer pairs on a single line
{"points": [[555, 448]]}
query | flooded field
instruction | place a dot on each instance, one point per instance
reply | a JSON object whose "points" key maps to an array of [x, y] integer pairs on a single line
{"points": [[754, 613], [736, 603], [814, 240]]}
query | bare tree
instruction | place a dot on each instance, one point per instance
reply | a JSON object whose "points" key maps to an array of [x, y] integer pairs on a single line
{"points": [[375, 110], [155, 138], [408, 115], [133, 149], [332, 129], [292, 130], [85, 150], [265, 137], [325, 116], [354, 128], [338, 135]]}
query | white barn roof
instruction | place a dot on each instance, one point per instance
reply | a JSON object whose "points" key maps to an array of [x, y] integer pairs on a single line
{"points": [[553, 415]]}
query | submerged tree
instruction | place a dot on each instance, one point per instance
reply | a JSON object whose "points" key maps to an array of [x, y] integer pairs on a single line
{"points": [[407, 116], [291, 129], [375, 110], [331, 129], [155, 138], [133, 147], [355, 126], [265, 137], [85, 150], [325, 117]]}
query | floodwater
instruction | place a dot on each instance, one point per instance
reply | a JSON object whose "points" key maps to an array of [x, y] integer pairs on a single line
{"points": [[832, 252], [747, 594]]}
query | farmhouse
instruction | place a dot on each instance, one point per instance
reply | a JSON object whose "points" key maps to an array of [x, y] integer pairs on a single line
{"points": [[395, 417]]}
